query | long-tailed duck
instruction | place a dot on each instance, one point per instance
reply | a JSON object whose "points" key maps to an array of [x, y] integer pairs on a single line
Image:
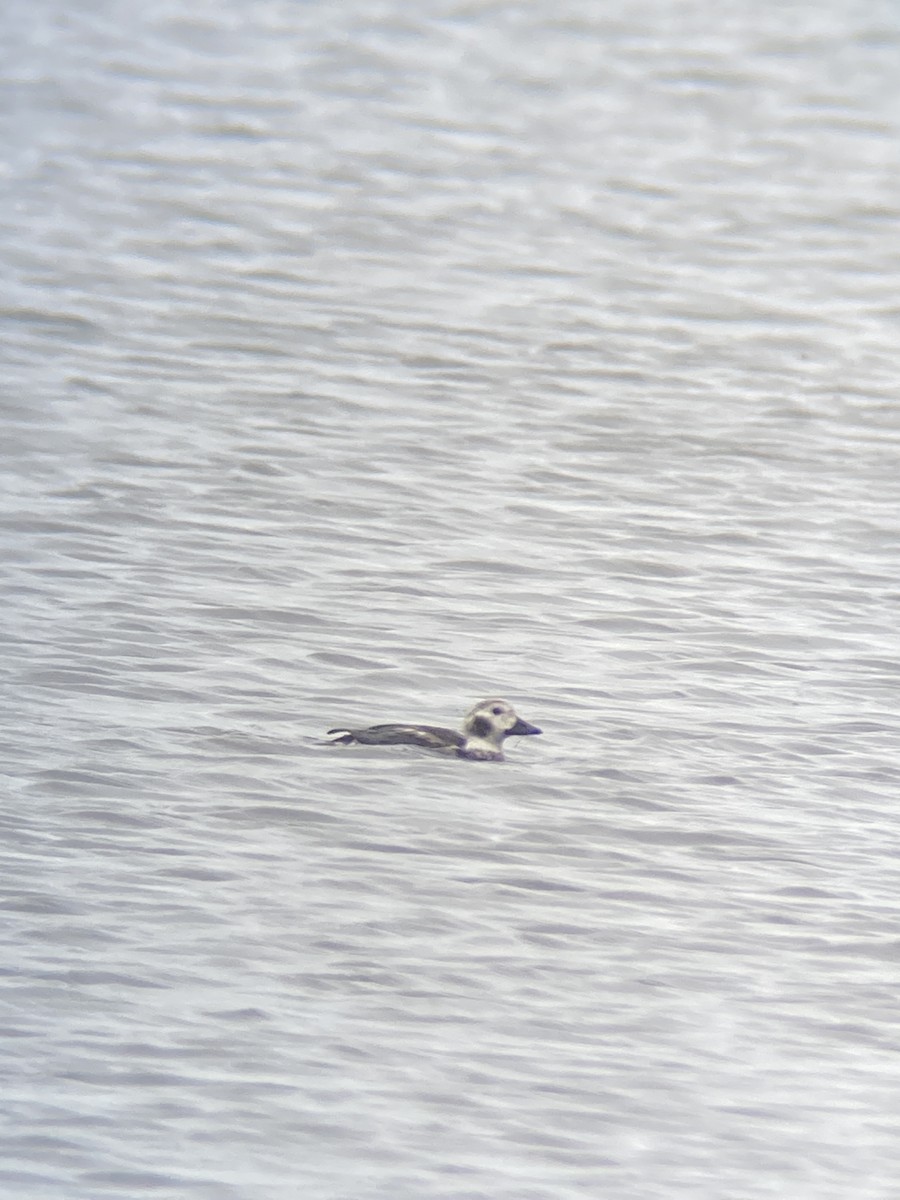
{"points": [[484, 728]]}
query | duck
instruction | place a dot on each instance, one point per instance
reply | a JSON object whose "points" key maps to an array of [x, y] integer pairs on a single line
{"points": [[485, 727]]}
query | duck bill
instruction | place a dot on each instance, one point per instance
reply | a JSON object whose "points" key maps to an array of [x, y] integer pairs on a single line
{"points": [[521, 728]]}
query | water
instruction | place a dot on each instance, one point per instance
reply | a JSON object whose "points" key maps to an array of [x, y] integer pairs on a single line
{"points": [[365, 360]]}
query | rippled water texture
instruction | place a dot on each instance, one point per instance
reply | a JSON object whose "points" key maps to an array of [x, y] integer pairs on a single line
{"points": [[366, 359]]}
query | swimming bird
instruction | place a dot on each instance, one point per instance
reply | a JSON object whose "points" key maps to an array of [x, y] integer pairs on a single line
{"points": [[484, 729]]}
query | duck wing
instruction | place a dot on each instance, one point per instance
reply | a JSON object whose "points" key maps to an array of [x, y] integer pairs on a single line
{"points": [[431, 737]]}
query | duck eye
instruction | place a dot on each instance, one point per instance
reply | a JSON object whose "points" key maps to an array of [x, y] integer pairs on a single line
{"points": [[497, 710]]}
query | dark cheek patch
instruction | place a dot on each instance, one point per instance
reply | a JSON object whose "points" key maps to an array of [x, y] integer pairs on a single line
{"points": [[481, 727]]}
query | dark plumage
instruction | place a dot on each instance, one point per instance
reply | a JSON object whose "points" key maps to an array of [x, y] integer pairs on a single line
{"points": [[485, 728]]}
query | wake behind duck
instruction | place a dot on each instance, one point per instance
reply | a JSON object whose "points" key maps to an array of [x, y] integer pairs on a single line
{"points": [[485, 728]]}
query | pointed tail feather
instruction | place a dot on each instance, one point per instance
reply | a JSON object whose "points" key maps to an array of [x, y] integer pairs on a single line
{"points": [[347, 738]]}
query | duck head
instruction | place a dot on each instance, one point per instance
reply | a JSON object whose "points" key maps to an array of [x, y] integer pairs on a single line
{"points": [[488, 724]]}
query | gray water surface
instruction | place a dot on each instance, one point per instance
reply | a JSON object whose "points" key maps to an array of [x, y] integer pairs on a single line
{"points": [[364, 360]]}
